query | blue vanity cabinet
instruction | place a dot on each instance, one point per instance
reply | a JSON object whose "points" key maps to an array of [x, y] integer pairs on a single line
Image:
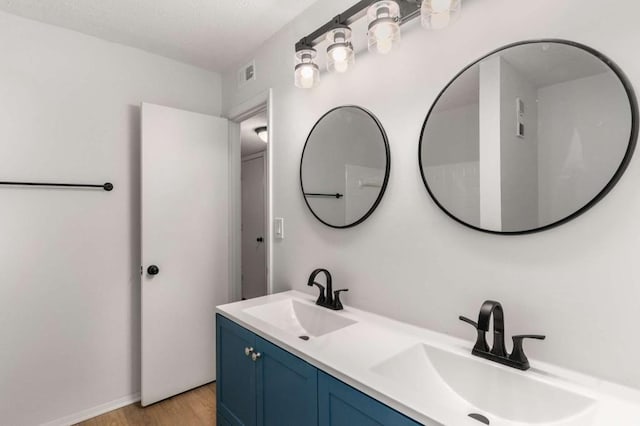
{"points": [[341, 405], [275, 389]]}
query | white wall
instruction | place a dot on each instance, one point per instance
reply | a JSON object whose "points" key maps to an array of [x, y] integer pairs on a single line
{"points": [[69, 259], [362, 188], [575, 116], [457, 188], [579, 284], [490, 147], [452, 136], [518, 156], [508, 163], [452, 165]]}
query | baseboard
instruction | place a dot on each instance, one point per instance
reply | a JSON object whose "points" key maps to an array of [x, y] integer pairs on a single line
{"points": [[94, 411]]}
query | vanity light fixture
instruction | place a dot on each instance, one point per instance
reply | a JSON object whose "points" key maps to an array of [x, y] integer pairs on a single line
{"points": [[383, 26], [340, 51], [262, 133], [437, 14], [384, 18], [307, 73]]}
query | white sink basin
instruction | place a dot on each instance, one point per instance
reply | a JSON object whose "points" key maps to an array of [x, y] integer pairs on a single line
{"points": [[477, 385], [298, 318]]}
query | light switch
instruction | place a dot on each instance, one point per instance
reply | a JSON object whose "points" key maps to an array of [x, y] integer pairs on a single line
{"points": [[519, 118], [278, 228]]}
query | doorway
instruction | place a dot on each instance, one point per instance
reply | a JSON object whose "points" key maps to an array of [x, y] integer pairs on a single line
{"points": [[253, 228]]}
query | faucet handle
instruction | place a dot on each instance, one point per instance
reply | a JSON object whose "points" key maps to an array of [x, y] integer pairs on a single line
{"points": [[529, 336], [517, 354], [321, 296], [481, 342], [337, 305], [468, 321]]}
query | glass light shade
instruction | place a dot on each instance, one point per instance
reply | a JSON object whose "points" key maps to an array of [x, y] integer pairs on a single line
{"points": [[307, 73], [262, 134], [340, 50], [383, 18], [437, 14]]}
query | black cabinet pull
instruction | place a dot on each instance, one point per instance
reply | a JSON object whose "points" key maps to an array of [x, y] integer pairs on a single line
{"points": [[153, 270]]}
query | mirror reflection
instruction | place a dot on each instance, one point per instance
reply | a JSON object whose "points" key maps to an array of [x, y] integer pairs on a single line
{"points": [[528, 137], [345, 166]]}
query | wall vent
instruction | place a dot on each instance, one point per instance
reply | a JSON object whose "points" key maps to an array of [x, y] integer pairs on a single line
{"points": [[247, 73]]}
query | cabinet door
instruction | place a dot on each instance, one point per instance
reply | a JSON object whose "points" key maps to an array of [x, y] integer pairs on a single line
{"points": [[341, 405], [287, 388], [236, 373]]}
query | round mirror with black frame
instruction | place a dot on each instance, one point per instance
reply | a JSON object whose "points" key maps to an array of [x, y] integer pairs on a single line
{"points": [[528, 137], [345, 166]]}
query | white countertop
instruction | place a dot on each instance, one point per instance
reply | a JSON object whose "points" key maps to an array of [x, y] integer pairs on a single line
{"points": [[350, 353]]}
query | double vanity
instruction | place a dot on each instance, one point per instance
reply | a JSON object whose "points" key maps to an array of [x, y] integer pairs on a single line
{"points": [[281, 359]]}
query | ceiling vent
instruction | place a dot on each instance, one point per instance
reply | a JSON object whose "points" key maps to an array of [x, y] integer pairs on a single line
{"points": [[247, 73]]}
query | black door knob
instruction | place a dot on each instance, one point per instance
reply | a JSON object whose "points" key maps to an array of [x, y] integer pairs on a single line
{"points": [[153, 270], [259, 239]]}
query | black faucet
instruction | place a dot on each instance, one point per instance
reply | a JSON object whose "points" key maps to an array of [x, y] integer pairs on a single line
{"points": [[332, 298], [498, 353]]}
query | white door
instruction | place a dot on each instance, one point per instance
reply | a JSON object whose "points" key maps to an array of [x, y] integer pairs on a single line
{"points": [[254, 264], [184, 247]]}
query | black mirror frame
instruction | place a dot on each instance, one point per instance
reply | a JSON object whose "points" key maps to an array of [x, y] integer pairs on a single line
{"points": [[386, 172], [633, 104]]}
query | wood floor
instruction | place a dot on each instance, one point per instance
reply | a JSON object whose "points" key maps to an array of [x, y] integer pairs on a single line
{"points": [[196, 407]]}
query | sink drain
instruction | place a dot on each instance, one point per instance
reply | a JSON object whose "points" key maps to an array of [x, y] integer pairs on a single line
{"points": [[480, 418], [304, 337]]}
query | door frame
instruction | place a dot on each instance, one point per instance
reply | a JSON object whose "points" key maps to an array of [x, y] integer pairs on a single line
{"points": [[255, 156], [238, 113]]}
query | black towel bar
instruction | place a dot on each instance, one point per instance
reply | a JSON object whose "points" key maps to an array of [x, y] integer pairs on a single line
{"points": [[106, 186], [316, 194]]}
